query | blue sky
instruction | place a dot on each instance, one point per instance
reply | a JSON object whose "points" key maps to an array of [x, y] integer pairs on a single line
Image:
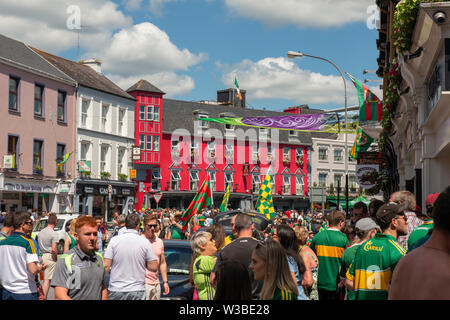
{"points": [[192, 48]]}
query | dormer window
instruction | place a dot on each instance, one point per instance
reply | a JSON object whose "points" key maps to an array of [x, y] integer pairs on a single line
{"points": [[203, 124]]}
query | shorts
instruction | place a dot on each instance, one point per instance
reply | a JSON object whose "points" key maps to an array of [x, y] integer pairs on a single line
{"points": [[153, 291], [48, 271], [129, 295]]}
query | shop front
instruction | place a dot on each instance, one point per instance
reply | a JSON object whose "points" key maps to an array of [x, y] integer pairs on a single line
{"points": [[103, 198]]}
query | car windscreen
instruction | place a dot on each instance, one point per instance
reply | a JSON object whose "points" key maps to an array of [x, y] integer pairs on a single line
{"points": [[59, 225], [40, 225], [178, 259]]}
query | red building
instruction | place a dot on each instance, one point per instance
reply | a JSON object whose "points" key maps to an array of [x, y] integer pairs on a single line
{"points": [[190, 149]]}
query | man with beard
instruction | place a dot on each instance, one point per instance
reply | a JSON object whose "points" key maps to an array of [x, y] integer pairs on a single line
{"points": [[371, 271]]}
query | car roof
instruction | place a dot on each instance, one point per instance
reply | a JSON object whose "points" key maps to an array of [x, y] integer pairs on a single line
{"points": [[177, 243], [64, 216]]}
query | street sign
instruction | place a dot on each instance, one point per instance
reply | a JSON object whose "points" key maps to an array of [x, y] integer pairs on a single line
{"points": [[136, 153], [157, 197]]}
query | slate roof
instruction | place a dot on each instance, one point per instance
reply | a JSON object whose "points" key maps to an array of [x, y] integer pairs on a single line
{"points": [[181, 114], [144, 85], [84, 75], [19, 54]]}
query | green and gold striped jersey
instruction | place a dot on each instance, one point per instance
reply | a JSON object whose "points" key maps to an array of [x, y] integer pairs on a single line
{"points": [[420, 232], [283, 295], [372, 268], [329, 246]]}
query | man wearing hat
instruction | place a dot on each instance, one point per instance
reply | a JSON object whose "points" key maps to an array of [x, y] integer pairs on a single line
{"points": [[370, 273], [366, 229]]}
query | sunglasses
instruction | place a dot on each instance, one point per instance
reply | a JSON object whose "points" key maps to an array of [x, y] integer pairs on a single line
{"points": [[30, 223], [152, 226]]}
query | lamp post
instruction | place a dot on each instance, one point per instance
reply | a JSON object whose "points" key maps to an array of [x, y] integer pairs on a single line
{"points": [[294, 54]]}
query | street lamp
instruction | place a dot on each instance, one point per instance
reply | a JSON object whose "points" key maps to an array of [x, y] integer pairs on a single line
{"points": [[294, 54]]}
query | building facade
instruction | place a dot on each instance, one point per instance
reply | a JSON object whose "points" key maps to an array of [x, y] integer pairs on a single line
{"points": [[37, 129]]}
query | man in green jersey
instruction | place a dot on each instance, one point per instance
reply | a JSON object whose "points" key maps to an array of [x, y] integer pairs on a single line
{"points": [[371, 271], [329, 246], [366, 229]]}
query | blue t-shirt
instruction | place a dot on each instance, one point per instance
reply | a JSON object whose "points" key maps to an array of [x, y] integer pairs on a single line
{"points": [[100, 242], [293, 267]]}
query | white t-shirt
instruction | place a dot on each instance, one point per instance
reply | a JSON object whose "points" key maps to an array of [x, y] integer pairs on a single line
{"points": [[129, 253]]}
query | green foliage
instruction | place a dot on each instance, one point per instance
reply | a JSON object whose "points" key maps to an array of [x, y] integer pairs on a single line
{"points": [[105, 174], [122, 177]]}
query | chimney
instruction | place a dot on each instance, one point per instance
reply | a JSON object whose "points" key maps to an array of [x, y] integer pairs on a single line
{"points": [[93, 63]]}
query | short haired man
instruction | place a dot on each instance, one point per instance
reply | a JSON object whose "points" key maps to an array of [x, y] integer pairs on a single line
{"points": [[375, 260], [152, 285], [129, 255], [8, 226], [366, 229], [80, 274], [48, 241], [424, 274], [359, 211], [19, 261], [374, 205], [329, 245], [241, 249], [120, 224], [100, 236], [176, 229], [407, 203]]}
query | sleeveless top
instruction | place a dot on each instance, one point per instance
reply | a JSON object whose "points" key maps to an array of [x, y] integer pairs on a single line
{"points": [[73, 242], [313, 294]]}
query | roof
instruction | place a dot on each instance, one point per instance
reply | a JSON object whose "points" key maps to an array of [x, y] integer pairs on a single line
{"points": [[22, 56], [84, 75], [181, 114], [144, 85]]}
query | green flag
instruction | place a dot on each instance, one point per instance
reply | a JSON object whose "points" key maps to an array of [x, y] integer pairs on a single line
{"points": [[202, 199], [264, 205], [370, 107], [361, 144], [65, 158], [224, 205]]}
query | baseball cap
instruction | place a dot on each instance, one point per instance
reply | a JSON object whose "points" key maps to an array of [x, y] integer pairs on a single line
{"points": [[431, 199], [366, 224], [387, 212]]}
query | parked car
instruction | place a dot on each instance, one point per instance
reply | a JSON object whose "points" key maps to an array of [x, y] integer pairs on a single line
{"points": [[178, 254], [260, 221], [61, 228]]}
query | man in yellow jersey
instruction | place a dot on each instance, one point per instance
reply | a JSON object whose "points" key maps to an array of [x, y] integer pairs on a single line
{"points": [[329, 245], [371, 271]]}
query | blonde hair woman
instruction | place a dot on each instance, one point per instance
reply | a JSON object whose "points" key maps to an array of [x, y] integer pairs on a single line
{"points": [[70, 241], [311, 263], [269, 263]]}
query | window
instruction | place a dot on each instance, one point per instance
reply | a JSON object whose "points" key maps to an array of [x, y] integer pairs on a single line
{"points": [[229, 150], [292, 134], [203, 124], [84, 149], [149, 143], [269, 153], [61, 106], [175, 179], [299, 154], [13, 94], [286, 155], [352, 183], [286, 184], [142, 112], [149, 113], [337, 179], [255, 153], [60, 152], [38, 99], [156, 179], [121, 121], [37, 156], [256, 183], [194, 148], [322, 179], [103, 156], [175, 148], [155, 143], [84, 112], [193, 183], [142, 141], [272, 182], [105, 110], [299, 185], [263, 133], [323, 154], [212, 179], [13, 148], [120, 159], [229, 128], [228, 181], [211, 149], [337, 154], [155, 113]]}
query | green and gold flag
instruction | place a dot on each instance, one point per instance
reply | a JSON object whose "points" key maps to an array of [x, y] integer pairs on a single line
{"points": [[264, 205], [64, 159], [202, 199], [224, 205], [361, 144]]}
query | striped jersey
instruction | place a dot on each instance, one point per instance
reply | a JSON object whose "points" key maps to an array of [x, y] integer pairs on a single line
{"points": [[283, 295], [374, 264], [347, 259], [420, 232], [202, 269], [16, 252], [329, 246]]}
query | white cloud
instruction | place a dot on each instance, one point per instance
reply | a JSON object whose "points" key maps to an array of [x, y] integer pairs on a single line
{"points": [[144, 49], [302, 13], [155, 6], [280, 78], [43, 23], [169, 82]]}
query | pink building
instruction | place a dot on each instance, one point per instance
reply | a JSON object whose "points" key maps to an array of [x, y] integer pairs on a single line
{"points": [[37, 129]]}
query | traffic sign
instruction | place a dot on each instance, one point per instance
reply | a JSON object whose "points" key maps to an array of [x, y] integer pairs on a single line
{"points": [[157, 197], [109, 188]]}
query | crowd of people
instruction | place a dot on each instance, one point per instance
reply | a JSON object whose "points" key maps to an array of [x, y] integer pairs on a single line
{"points": [[392, 250]]}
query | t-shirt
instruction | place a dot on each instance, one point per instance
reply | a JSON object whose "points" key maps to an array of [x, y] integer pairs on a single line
{"points": [[241, 250], [202, 268], [16, 252], [46, 237], [87, 278], [158, 248], [177, 233], [347, 259], [420, 232], [329, 245], [283, 295], [372, 268]]}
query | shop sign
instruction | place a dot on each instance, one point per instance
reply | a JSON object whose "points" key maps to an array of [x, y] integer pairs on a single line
{"points": [[28, 187], [88, 189], [64, 188], [84, 166], [367, 175], [133, 173], [126, 192]]}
